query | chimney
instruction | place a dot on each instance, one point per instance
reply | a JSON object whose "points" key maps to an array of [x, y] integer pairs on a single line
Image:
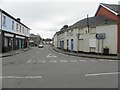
{"points": [[118, 50], [18, 19]]}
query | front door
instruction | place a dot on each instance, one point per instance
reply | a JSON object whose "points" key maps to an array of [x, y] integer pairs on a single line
{"points": [[72, 44]]}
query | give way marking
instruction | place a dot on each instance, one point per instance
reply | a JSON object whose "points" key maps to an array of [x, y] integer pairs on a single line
{"points": [[51, 55], [98, 74], [12, 77]]}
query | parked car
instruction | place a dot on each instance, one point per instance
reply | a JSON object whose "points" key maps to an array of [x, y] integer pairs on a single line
{"points": [[40, 46]]}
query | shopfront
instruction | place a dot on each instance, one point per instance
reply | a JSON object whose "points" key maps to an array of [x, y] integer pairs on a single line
{"points": [[7, 42]]}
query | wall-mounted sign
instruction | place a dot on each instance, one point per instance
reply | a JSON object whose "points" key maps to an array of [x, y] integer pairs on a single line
{"points": [[100, 35], [8, 35]]}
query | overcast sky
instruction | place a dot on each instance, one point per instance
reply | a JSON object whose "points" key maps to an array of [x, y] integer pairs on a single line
{"points": [[48, 16]]}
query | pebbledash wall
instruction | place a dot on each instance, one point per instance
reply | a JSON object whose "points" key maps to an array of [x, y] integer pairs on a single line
{"points": [[14, 33]]}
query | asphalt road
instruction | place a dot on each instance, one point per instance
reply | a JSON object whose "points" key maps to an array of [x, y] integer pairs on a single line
{"points": [[45, 68]]}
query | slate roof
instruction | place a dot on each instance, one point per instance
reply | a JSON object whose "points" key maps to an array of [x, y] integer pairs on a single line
{"points": [[93, 22], [113, 7]]}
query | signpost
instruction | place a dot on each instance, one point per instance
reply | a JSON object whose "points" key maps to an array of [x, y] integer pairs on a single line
{"points": [[100, 36]]}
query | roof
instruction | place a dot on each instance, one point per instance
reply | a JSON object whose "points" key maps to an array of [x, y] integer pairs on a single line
{"points": [[13, 18], [92, 22], [111, 7]]}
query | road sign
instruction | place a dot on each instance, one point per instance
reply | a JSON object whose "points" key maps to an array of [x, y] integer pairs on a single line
{"points": [[100, 35]]}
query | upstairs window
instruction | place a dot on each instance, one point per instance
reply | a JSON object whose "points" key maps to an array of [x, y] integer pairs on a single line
{"points": [[23, 29], [20, 28], [12, 25], [4, 21], [17, 27]]}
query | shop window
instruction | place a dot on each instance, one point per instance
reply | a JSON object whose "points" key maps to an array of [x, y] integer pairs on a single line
{"points": [[6, 42]]}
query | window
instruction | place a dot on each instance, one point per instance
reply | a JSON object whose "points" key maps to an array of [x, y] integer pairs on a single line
{"points": [[71, 32], [23, 29], [20, 28], [6, 42], [12, 25], [67, 33], [4, 21], [17, 27]]}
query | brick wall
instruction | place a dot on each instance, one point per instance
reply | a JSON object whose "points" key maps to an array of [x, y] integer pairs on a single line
{"points": [[104, 12]]}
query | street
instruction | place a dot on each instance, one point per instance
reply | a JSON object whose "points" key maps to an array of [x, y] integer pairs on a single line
{"points": [[45, 68]]}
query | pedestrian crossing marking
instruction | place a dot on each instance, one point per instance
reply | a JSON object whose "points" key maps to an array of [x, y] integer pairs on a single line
{"points": [[73, 60], [42, 61], [66, 61]]}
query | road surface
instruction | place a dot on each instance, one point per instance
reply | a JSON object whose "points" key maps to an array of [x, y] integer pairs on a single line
{"points": [[45, 68]]}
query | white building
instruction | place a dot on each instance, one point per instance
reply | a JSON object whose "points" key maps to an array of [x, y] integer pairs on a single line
{"points": [[90, 35], [14, 33]]}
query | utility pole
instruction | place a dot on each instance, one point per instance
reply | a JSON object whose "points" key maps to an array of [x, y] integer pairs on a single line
{"points": [[88, 22]]}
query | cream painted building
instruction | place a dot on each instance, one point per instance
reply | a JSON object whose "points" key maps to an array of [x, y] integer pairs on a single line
{"points": [[90, 35]]}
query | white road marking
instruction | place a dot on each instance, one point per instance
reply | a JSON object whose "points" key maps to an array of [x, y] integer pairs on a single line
{"points": [[11, 77], [82, 60], [73, 60], [28, 61], [98, 74], [63, 61], [112, 60], [93, 60], [50, 55], [53, 61], [42, 61]]}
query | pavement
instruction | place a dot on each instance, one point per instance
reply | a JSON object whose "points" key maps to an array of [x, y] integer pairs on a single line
{"points": [[13, 52], [86, 55]]}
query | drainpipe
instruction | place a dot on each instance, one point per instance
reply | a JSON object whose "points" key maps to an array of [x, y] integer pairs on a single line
{"points": [[118, 30]]}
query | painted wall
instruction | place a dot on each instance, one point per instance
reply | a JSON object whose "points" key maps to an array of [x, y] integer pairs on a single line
{"points": [[55, 40], [88, 42], [8, 27], [111, 37], [0, 19]]}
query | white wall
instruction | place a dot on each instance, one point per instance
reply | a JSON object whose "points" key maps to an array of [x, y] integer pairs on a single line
{"points": [[8, 26], [55, 40], [0, 19], [111, 37], [88, 42]]}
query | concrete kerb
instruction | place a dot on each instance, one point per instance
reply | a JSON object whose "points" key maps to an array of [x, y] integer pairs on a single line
{"points": [[99, 57]]}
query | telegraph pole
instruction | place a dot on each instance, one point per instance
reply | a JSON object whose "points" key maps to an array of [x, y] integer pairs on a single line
{"points": [[88, 22]]}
